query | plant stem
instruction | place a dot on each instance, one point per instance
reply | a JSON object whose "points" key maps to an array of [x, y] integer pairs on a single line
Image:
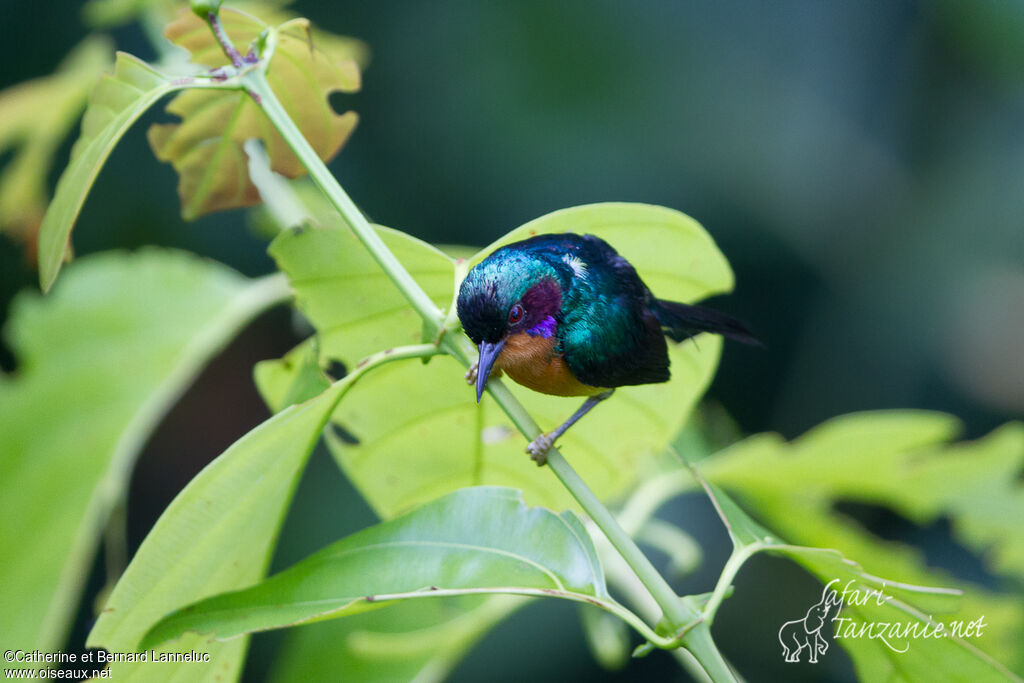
{"points": [[225, 41], [672, 608], [256, 82], [675, 611], [740, 554], [698, 641]]}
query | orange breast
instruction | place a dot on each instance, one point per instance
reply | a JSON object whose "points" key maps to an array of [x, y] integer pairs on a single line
{"points": [[532, 362]]}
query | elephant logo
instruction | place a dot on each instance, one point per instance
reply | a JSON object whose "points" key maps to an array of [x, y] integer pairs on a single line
{"points": [[798, 634]]}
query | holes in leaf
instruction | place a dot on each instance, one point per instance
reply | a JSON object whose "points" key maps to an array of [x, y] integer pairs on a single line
{"points": [[336, 370], [941, 549], [344, 435], [341, 102]]}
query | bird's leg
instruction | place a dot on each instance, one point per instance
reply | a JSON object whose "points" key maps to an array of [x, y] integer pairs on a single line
{"points": [[539, 447]]}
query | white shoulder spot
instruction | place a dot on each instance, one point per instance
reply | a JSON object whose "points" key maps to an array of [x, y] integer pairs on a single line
{"points": [[579, 268]]}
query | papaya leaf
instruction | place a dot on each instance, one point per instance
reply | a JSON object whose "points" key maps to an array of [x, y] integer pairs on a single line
{"points": [[420, 430], [218, 534], [900, 459], [897, 656], [114, 105], [471, 541], [100, 361], [412, 640], [747, 534], [206, 147], [35, 118], [903, 460]]}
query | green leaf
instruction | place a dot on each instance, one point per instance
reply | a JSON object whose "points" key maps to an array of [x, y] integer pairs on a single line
{"points": [[218, 534], [899, 459], [412, 640], [471, 541], [293, 379], [109, 13], [114, 105], [421, 432], [674, 255], [206, 147], [896, 658], [346, 295], [743, 531], [100, 361], [35, 118]]}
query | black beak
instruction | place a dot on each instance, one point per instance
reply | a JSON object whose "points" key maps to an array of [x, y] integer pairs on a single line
{"points": [[488, 354]]}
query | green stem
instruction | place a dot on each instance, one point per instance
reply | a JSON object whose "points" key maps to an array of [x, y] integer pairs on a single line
{"points": [[698, 641], [224, 40], [674, 610], [658, 587], [388, 356], [740, 554], [256, 83]]}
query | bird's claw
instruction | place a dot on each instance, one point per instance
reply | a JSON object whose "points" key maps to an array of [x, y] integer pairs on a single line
{"points": [[538, 449]]}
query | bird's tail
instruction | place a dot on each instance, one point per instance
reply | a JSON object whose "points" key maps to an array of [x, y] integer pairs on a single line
{"points": [[682, 321]]}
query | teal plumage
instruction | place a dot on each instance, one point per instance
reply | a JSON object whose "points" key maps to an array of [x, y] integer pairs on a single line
{"points": [[566, 314]]}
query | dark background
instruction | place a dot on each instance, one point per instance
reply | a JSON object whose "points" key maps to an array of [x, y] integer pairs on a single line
{"points": [[861, 164]]}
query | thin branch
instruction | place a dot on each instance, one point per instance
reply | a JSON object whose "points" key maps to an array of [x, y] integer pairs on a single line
{"points": [[225, 41]]}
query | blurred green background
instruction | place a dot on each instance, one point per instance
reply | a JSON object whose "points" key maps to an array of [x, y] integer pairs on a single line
{"points": [[861, 164]]}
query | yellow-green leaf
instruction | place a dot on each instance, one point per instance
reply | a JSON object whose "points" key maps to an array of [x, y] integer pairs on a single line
{"points": [[216, 535], [674, 255], [354, 306], [472, 541], [420, 430], [903, 461], [114, 104], [101, 359], [35, 118], [206, 147], [412, 640]]}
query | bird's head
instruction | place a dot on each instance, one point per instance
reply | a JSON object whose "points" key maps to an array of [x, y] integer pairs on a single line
{"points": [[508, 293]]}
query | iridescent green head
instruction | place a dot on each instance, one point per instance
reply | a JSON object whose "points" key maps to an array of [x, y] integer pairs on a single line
{"points": [[514, 290]]}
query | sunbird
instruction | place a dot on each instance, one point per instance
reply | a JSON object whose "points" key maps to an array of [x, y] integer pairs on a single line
{"points": [[565, 314]]}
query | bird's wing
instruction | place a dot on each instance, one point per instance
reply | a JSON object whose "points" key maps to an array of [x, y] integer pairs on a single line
{"points": [[608, 336]]}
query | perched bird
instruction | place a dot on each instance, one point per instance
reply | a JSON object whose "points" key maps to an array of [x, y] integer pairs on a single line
{"points": [[565, 314]]}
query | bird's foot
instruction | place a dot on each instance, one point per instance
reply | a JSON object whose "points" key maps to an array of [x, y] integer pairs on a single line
{"points": [[538, 449]]}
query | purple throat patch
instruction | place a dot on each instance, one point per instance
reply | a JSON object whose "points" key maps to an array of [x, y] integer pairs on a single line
{"points": [[545, 328]]}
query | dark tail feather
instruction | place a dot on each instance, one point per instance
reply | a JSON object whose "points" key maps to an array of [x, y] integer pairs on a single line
{"points": [[682, 321]]}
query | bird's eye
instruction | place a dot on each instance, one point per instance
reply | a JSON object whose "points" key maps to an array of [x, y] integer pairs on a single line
{"points": [[516, 314]]}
